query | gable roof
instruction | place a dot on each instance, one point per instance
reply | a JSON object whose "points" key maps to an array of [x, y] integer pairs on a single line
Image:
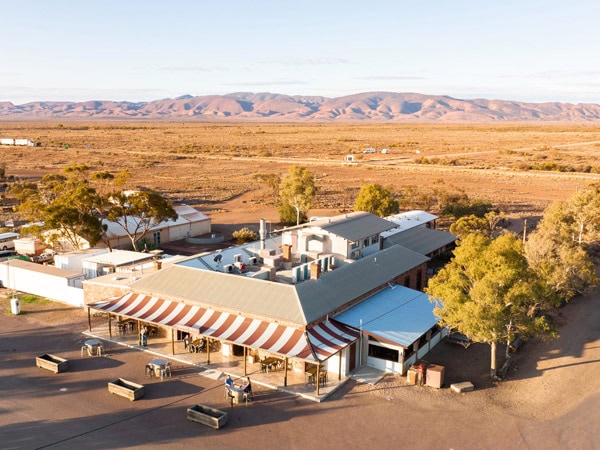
{"points": [[420, 239], [231, 292], [300, 303], [354, 226], [336, 288]]}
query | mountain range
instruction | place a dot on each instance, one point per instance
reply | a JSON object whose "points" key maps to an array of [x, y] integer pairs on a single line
{"points": [[368, 106]]}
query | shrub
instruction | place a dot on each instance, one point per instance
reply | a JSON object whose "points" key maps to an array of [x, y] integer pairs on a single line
{"points": [[244, 235]]}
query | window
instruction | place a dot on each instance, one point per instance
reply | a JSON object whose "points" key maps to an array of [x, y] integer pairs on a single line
{"points": [[366, 242], [388, 354], [156, 238], [354, 245], [374, 239]]}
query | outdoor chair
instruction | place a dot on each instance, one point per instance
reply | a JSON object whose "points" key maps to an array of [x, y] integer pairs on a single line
{"points": [[248, 396], [229, 395], [166, 372]]}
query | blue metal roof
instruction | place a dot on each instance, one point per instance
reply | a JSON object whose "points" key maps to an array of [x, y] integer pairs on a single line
{"points": [[397, 314]]}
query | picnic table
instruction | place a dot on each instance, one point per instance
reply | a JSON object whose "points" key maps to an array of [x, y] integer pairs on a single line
{"points": [[270, 363]]}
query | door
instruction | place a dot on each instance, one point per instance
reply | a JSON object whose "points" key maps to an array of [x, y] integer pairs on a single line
{"points": [[352, 357]]}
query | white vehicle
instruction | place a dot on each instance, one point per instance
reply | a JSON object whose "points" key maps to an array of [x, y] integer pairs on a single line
{"points": [[369, 150], [7, 241], [385, 151]]}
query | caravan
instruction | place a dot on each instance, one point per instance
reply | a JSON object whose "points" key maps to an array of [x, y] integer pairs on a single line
{"points": [[7, 241]]}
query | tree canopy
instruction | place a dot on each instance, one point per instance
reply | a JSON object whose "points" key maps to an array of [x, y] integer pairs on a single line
{"points": [[488, 293], [138, 212], [485, 225], [296, 194], [376, 199], [75, 203], [557, 249]]}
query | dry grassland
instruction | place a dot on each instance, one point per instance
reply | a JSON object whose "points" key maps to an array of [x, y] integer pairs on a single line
{"points": [[520, 168]]}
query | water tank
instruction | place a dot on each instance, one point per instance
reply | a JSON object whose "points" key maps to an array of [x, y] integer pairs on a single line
{"points": [[15, 306]]}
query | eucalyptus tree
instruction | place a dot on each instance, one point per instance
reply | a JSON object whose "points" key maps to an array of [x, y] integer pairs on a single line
{"points": [[488, 293], [138, 212], [296, 194], [376, 199]]}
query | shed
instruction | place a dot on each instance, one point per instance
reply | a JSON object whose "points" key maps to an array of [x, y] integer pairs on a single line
{"points": [[45, 281], [115, 261]]}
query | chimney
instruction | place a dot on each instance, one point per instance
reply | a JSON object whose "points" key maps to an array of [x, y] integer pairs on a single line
{"points": [[263, 233], [287, 252], [315, 271]]}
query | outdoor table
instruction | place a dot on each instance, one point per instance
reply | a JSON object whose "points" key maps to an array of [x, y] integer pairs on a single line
{"points": [[93, 346], [268, 363], [196, 346], [238, 393], [125, 325], [160, 367]]}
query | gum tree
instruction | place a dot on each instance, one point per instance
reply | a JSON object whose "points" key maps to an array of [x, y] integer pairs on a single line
{"points": [[488, 293], [376, 199], [296, 194]]}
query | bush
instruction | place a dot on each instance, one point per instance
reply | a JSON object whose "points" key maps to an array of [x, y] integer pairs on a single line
{"points": [[245, 235]]}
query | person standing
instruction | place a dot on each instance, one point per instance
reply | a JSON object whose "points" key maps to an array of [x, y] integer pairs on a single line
{"points": [[144, 336]]}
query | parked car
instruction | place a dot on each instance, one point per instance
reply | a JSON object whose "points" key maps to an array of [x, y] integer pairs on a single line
{"points": [[47, 256], [385, 151], [369, 150]]}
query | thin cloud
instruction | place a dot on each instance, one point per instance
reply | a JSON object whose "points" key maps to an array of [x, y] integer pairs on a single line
{"points": [[554, 74], [267, 83], [26, 94], [191, 69], [391, 78], [322, 61]]}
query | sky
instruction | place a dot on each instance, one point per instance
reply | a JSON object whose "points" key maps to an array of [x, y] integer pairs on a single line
{"points": [[134, 50]]}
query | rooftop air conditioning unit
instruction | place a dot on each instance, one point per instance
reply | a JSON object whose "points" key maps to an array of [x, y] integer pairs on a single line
{"points": [[253, 260], [228, 268], [237, 258]]}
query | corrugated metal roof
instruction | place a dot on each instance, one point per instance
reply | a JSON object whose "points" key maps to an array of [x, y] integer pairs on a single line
{"points": [[397, 315], [342, 285], [40, 268], [233, 292], [407, 220], [190, 214], [421, 239], [119, 257], [354, 226], [301, 303]]}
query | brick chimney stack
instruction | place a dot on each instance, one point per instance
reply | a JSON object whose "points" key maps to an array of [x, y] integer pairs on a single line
{"points": [[315, 271]]}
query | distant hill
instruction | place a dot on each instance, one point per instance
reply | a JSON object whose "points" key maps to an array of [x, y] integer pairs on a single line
{"points": [[369, 106]]}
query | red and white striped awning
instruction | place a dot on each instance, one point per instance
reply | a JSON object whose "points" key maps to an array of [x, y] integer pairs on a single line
{"points": [[314, 345]]}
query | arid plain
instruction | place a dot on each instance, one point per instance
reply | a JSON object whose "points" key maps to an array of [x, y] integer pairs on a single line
{"points": [[521, 168]]}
